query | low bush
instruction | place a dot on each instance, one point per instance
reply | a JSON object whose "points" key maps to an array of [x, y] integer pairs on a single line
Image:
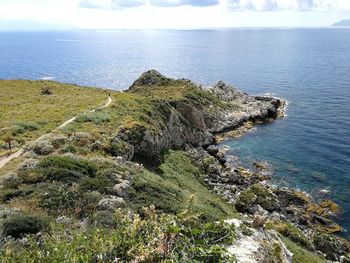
{"points": [[22, 224], [59, 199], [9, 194], [12, 182], [68, 163], [153, 237], [290, 231], [22, 127], [46, 90], [31, 176], [103, 219], [69, 149], [119, 148], [99, 183], [95, 117], [62, 175], [65, 169]]}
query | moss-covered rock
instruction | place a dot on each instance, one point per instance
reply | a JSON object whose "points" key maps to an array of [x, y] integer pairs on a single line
{"points": [[257, 195], [245, 200], [329, 245]]}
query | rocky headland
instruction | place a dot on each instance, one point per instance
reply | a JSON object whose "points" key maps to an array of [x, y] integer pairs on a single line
{"points": [[157, 146]]}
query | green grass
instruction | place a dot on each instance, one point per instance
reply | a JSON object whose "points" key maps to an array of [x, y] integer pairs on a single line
{"points": [[178, 185], [25, 113], [300, 254], [289, 231]]}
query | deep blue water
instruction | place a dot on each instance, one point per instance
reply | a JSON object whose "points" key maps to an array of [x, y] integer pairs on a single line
{"points": [[309, 149]]}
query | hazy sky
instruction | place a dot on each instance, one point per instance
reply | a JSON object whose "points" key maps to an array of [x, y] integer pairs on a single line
{"points": [[108, 14]]}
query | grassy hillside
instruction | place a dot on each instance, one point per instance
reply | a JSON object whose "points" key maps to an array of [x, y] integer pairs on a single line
{"points": [[26, 113]]}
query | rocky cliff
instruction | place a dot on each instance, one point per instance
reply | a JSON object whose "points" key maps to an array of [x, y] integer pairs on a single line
{"points": [[195, 117]]}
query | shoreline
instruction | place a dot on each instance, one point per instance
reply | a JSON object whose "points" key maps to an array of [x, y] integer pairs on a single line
{"points": [[169, 148]]}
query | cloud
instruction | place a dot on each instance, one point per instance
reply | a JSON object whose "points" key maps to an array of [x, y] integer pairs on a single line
{"points": [[111, 4], [291, 5], [121, 4], [170, 3]]}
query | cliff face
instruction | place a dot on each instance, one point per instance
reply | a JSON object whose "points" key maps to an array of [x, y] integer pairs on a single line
{"points": [[193, 114]]}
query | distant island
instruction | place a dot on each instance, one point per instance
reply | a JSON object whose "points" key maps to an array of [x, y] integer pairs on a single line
{"points": [[343, 23]]}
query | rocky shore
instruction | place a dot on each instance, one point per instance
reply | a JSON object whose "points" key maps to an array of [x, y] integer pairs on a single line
{"points": [[248, 190]]}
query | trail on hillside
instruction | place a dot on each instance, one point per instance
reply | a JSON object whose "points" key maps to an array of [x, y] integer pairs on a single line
{"points": [[14, 155]]}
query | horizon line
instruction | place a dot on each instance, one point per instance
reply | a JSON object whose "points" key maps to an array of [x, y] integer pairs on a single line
{"points": [[173, 29]]}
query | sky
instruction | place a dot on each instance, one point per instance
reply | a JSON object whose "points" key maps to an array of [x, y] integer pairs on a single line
{"points": [[165, 14]]}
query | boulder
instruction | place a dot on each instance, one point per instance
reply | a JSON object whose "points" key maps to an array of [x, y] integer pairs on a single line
{"points": [[111, 203]]}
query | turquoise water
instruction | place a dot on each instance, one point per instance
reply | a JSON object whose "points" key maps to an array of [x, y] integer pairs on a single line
{"points": [[309, 149]]}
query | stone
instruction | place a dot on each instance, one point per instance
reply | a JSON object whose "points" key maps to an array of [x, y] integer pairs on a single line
{"points": [[65, 220], [121, 188], [42, 147], [329, 245], [29, 163], [260, 165], [111, 203], [330, 206]]}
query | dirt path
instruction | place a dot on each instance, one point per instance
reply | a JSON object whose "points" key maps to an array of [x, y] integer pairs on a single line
{"points": [[14, 155]]}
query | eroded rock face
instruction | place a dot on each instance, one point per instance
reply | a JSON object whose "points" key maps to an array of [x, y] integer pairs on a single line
{"points": [[149, 145]]}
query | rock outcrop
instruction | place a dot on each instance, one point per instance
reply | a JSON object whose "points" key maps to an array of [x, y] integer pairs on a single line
{"points": [[196, 117]]}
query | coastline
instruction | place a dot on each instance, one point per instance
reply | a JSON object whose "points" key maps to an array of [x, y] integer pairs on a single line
{"points": [[176, 126]]}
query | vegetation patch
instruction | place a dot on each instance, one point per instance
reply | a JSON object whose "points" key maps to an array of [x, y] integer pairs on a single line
{"points": [[300, 254], [150, 238], [22, 127], [177, 185], [95, 117], [290, 231], [256, 194], [26, 114], [23, 224]]}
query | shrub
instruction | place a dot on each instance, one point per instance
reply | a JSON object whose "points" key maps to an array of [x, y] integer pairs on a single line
{"points": [[245, 200], [152, 238], [256, 194], [62, 175], [329, 245], [69, 163], [58, 199], [22, 224], [69, 149], [103, 219], [46, 91], [95, 117], [31, 176], [65, 169], [22, 127], [289, 231], [88, 203], [100, 183], [12, 182], [42, 147], [10, 194], [118, 147]]}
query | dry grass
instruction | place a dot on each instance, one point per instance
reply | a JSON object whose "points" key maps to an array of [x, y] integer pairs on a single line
{"points": [[22, 102]]}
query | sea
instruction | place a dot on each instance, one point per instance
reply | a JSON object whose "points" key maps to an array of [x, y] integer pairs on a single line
{"points": [[309, 149]]}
